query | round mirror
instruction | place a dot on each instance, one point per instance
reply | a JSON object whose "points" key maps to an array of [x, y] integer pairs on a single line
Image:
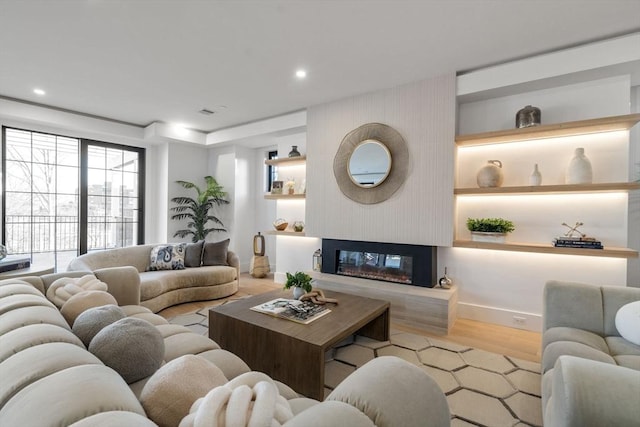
{"points": [[369, 164]]}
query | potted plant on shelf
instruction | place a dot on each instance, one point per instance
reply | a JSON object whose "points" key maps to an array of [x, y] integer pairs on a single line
{"points": [[300, 282], [492, 230]]}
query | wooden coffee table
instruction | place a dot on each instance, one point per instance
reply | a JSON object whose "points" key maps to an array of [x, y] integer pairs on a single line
{"points": [[291, 352]]}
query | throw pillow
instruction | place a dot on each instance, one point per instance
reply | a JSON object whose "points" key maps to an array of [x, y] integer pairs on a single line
{"points": [[215, 253], [193, 254], [628, 322], [132, 347], [239, 405], [167, 257], [65, 287], [83, 301], [169, 393], [91, 321]]}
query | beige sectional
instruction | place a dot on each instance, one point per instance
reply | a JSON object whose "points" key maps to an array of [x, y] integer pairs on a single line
{"points": [[591, 374], [49, 378], [164, 288]]}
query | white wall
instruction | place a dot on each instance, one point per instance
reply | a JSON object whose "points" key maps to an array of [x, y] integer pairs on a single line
{"points": [[633, 265], [421, 211], [495, 285]]}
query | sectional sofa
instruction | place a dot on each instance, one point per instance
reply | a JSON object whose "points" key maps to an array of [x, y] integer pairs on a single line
{"points": [[50, 378], [591, 374], [211, 272]]}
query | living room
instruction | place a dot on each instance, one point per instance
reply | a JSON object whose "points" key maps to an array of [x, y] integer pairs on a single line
{"points": [[590, 75]]}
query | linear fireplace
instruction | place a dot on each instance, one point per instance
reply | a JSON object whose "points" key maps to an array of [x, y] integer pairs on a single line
{"points": [[391, 262]]}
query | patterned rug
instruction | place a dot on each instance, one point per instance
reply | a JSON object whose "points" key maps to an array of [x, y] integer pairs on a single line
{"points": [[482, 388]]}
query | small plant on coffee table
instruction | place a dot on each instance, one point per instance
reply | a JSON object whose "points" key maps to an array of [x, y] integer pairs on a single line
{"points": [[298, 280]]}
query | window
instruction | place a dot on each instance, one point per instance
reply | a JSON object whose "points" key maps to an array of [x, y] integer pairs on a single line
{"points": [[272, 171], [65, 196]]}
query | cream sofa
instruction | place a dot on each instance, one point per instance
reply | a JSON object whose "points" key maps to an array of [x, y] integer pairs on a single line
{"points": [[591, 375], [49, 378], [164, 288]]}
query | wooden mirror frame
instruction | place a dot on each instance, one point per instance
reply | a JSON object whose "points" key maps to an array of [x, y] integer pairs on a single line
{"points": [[396, 145]]}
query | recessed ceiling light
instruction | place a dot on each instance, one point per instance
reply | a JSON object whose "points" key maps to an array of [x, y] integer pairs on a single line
{"points": [[301, 74], [38, 91]]}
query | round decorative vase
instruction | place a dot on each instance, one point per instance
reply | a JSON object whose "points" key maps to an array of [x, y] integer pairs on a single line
{"points": [[481, 236], [536, 178], [490, 175], [298, 226], [294, 151], [298, 292], [528, 116], [3, 251], [579, 170], [291, 191]]}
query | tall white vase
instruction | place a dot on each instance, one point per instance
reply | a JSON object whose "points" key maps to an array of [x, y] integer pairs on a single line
{"points": [[535, 178], [579, 170]]}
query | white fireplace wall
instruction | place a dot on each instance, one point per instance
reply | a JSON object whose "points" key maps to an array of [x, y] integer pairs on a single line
{"points": [[421, 211]]}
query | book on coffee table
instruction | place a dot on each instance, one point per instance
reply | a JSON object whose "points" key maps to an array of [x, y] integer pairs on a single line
{"points": [[298, 311]]}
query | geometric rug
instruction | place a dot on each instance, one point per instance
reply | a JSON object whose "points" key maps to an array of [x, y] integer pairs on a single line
{"points": [[482, 388]]}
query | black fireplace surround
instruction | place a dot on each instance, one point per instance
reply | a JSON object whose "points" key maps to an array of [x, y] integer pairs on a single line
{"points": [[390, 262]]}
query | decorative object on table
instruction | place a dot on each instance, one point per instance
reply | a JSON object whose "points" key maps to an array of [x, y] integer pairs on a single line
{"points": [[535, 178], [579, 170], [300, 282], [276, 187], [291, 186], [317, 260], [198, 211], [490, 175], [303, 312], [575, 238], [3, 251], [445, 282], [493, 230], [280, 224], [317, 297], [298, 226], [294, 151], [258, 244], [528, 116]]}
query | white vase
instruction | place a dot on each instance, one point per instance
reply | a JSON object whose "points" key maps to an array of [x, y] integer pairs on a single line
{"points": [[535, 178], [481, 236], [298, 292], [579, 170], [490, 175]]}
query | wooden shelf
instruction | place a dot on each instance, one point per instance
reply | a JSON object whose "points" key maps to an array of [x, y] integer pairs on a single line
{"points": [[284, 196], [285, 233], [610, 252], [581, 127], [546, 189], [287, 161]]}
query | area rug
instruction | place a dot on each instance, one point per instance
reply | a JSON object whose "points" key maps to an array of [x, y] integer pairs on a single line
{"points": [[482, 388]]}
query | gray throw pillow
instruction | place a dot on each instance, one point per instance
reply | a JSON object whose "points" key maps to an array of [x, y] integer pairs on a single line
{"points": [[215, 253], [193, 254]]}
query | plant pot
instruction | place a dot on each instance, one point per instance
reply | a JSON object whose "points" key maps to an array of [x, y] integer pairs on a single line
{"points": [[480, 236], [298, 292]]}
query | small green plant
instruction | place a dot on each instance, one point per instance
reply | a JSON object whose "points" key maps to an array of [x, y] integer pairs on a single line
{"points": [[298, 280], [490, 225]]}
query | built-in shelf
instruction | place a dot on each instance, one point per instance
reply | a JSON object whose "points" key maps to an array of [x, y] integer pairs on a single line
{"points": [[581, 127], [284, 196], [286, 161], [546, 189], [285, 233], [610, 252]]}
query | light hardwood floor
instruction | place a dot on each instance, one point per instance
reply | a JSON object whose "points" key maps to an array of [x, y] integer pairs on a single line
{"points": [[485, 336]]}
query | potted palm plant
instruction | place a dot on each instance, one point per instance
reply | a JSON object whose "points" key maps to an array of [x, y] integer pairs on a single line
{"points": [[492, 230], [300, 282], [197, 210]]}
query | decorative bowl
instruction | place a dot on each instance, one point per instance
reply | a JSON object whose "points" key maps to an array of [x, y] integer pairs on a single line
{"points": [[280, 224]]}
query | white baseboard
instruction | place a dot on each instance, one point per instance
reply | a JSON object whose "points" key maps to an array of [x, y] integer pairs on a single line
{"points": [[500, 316]]}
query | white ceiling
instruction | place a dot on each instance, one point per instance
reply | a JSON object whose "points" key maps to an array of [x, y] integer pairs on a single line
{"points": [[141, 61]]}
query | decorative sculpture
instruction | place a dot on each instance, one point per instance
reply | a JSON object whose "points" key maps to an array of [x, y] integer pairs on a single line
{"points": [[574, 229]]}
